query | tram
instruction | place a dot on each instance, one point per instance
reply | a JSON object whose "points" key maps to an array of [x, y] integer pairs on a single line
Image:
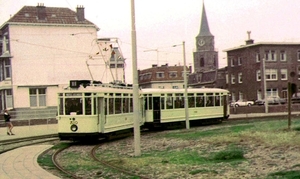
{"points": [[164, 107], [92, 111]]}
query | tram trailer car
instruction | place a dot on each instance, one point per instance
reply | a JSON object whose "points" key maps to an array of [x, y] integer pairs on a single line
{"points": [[106, 111], [94, 111], [165, 107]]}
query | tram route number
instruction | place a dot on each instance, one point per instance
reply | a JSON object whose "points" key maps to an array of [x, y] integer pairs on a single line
{"points": [[73, 122]]}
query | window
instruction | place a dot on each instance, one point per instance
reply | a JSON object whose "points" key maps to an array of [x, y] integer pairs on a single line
{"points": [[231, 62], [267, 55], [240, 78], [37, 97], [298, 72], [283, 73], [5, 71], [7, 68], [298, 55], [232, 79], [202, 62], [282, 55], [240, 61], [259, 95], [161, 87], [233, 96], [187, 73], [241, 96], [271, 74], [8, 98], [169, 101], [272, 92], [227, 78], [257, 57], [172, 74], [270, 55], [174, 87], [160, 74], [258, 75]]}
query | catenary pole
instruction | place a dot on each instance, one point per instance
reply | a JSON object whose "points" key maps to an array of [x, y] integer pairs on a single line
{"points": [[137, 135], [187, 122]]}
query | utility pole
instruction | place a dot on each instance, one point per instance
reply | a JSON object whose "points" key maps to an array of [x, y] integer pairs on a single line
{"points": [[187, 122], [136, 111], [265, 86]]}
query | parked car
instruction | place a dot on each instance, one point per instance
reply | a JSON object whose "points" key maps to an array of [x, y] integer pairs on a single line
{"points": [[271, 100], [296, 98], [241, 103]]}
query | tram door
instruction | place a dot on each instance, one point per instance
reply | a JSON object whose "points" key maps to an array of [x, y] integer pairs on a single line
{"points": [[156, 109]]}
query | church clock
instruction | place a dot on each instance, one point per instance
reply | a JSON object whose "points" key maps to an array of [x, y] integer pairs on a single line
{"points": [[201, 42]]}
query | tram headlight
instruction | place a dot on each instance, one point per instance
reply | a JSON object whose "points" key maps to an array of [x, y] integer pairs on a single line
{"points": [[74, 128]]}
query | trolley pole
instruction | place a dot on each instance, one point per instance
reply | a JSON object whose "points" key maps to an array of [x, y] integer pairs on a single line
{"points": [[137, 135]]}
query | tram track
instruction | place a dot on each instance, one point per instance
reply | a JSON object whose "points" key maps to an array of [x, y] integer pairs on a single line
{"points": [[107, 164], [11, 144], [95, 157]]}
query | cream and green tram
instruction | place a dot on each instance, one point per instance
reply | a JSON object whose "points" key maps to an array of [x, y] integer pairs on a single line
{"points": [[166, 106], [94, 111]]}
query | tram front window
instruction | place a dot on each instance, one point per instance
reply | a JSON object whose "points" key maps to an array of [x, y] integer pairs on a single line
{"points": [[73, 106]]}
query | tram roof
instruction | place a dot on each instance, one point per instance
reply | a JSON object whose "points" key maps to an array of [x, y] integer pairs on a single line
{"points": [[97, 89], [190, 90]]}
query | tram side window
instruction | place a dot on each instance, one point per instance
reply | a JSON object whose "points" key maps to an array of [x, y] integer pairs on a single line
{"points": [[162, 102], [111, 105], [118, 106], [191, 100], [210, 101], [150, 99], [125, 105], [130, 104], [179, 101], [61, 106], [88, 106], [200, 100], [105, 106], [169, 101], [73, 106], [217, 100]]}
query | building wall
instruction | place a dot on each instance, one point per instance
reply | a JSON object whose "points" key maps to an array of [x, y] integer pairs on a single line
{"points": [[149, 78], [250, 86], [49, 54]]}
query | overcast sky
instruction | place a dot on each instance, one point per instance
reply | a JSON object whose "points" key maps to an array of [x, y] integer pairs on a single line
{"points": [[160, 24]]}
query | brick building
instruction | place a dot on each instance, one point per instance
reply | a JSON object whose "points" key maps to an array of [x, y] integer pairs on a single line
{"points": [[247, 70], [164, 76]]}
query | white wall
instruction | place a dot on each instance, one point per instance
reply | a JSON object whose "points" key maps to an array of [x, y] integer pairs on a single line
{"points": [[50, 54]]}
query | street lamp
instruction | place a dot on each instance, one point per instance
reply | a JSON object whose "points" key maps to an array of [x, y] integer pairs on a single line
{"points": [[187, 122]]}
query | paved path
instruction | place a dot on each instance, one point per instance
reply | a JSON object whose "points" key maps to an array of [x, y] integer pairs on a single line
{"points": [[22, 163]]}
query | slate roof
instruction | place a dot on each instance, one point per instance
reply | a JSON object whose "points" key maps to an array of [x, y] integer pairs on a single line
{"points": [[54, 15], [204, 28]]}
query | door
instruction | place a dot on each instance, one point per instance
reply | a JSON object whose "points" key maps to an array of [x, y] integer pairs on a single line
{"points": [[156, 109]]}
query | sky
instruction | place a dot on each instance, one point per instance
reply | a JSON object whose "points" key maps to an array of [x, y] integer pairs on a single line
{"points": [[160, 24]]}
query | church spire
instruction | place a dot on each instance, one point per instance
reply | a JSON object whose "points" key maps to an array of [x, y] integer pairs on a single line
{"points": [[204, 28]]}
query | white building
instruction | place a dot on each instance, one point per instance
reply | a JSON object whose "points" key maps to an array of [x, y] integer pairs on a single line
{"points": [[43, 48]]}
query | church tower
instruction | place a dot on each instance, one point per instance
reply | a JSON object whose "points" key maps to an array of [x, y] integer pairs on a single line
{"points": [[205, 57]]}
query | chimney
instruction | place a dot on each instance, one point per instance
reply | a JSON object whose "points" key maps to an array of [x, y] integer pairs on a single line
{"points": [[249, 41], [80, 13], [41, 11], [154, 65]]}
